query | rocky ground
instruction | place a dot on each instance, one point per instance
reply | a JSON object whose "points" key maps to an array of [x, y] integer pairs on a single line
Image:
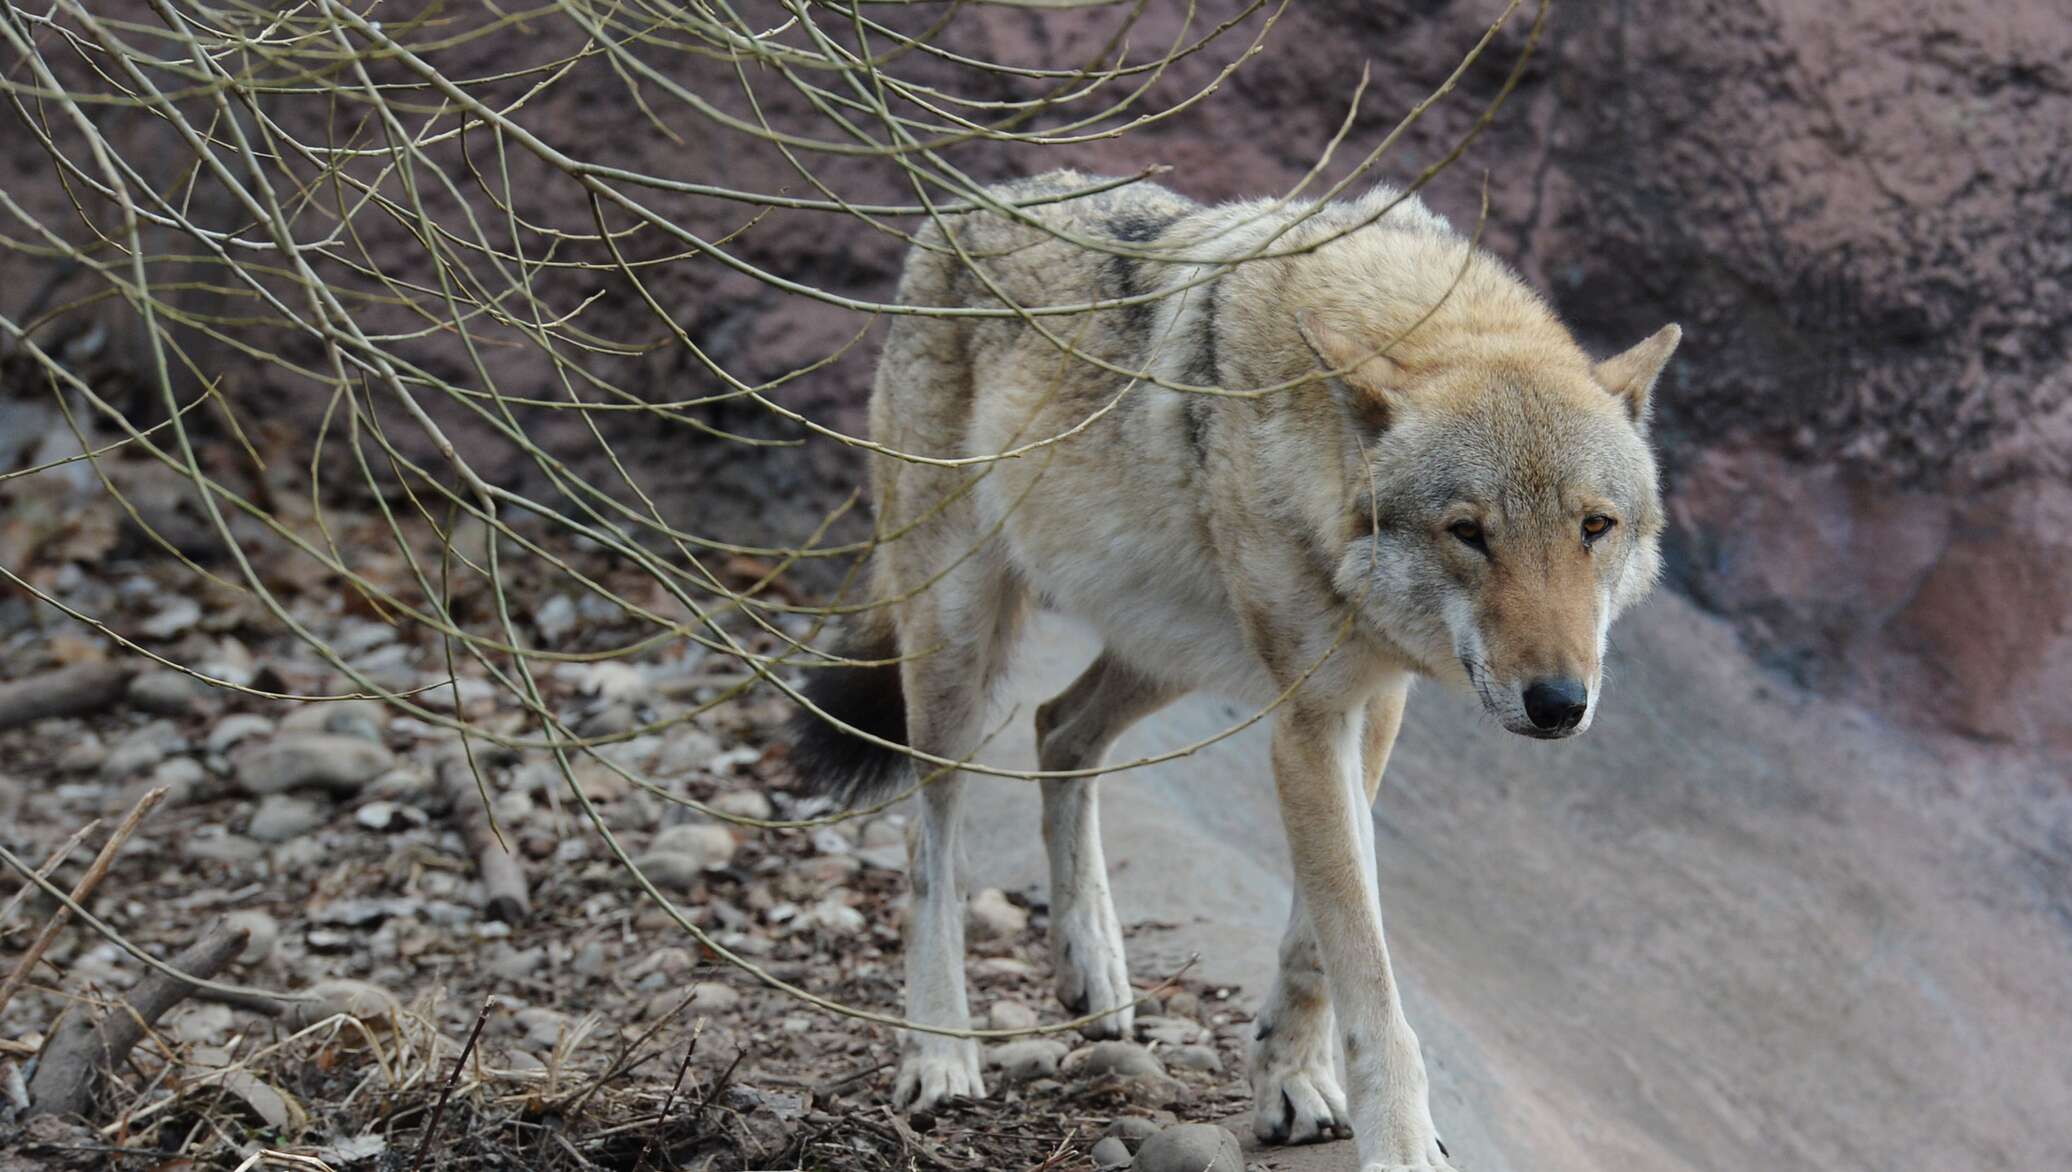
{"points": [[335, 835]]}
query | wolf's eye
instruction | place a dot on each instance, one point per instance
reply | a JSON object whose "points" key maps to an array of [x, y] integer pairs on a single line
{"points": [[1470, 535], [1596, 525]]}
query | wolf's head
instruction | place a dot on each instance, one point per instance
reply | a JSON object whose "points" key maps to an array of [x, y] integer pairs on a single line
{"points": [[1504, 507]]}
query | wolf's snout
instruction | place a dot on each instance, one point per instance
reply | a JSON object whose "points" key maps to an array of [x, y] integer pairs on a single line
{"points": [[1556, 705]]}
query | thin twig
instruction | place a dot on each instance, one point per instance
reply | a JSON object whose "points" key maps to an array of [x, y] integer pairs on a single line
{"points": [[446, 1092], [87, 882]]}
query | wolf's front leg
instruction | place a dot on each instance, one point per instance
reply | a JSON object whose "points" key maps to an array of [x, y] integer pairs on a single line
{"points": [[1317, 759], [935, 1067]]}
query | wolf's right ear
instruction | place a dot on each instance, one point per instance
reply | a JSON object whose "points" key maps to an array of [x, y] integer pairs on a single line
{"points": [[1631, 376], [1368, 385]]}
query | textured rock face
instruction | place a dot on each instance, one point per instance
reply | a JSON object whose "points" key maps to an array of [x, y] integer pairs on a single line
{"points": [[1857, 211]]}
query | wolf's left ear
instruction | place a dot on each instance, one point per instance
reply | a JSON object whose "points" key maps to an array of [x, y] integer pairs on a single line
{"points": [[1631, 376], [1368, 384]]}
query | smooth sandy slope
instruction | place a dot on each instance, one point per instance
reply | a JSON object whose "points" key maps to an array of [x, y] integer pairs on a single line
{"points": [[1732, 928]]}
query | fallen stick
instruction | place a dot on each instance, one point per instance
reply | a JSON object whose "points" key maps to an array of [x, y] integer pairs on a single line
{"points": [[43, 872], [85, 1043], [503, 876], [64, 692], [85, 887]]}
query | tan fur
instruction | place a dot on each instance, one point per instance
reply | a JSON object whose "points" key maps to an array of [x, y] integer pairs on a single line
{"points": [[1311, 534]]}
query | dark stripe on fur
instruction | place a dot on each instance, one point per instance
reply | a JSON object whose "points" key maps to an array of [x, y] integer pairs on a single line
{"points": [[834, 763], [1204, 369], [1124, 275]]}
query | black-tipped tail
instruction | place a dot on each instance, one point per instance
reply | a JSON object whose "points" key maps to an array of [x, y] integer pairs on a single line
{"points": [[839, 764]]}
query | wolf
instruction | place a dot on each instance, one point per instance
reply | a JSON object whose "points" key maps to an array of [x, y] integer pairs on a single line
{"points": [[1296, 454]]}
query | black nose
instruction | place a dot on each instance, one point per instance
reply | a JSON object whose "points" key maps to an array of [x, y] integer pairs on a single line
{"points": [[1556, 705]]}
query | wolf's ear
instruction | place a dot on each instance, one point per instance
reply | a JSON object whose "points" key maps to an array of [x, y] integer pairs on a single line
{"points": [[1369, 385], [1631, 376]]}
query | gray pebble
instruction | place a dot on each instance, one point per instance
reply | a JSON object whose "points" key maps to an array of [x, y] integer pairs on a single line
{"points": [[1190, 1147], [327, 760], [345, 718], [141, 750], [183, 778], [281, 817], [165, 692], [1194, 1058], [1123, 1059], [1133, 1130], [356, 999], [1010, 1015], [1110, 1153], [1027, 1059], [262, 932], [1171, 1031], [707, 844], [236, 727]]}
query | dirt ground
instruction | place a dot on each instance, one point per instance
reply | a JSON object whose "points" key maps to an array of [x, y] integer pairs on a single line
{"points": [[611, 1037]]}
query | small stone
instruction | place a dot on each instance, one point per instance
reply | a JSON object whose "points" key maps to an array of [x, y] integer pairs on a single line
{"points": [[744, 803], [387, 816], [1190, 1147], [1184, 1003], [516, 964], [1171, 1031], [555, 620], [1132, 1130], [362, 1000], [83, 754], [298, 854], [541, 1027], [142, 749], [687, 750], [1110, 1153], [884, 858], [262, 932], [992, 917], [668, 870], [213, 844], [328, 760], [237, 727], [889, 830], [281, 817], [182, 778], [714, 997], [707, 843], [591, 960], [1011, 1015], [1030, 1058], [1200, 1058], [832, 916], [345, 718], [175, 617], [165, 692], [1121, 1059], [199, 1023]]}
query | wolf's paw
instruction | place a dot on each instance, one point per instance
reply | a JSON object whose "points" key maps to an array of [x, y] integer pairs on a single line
{"points": [[1298, 1103], [943, 1068], [1433, 1160], [1093, 974]]}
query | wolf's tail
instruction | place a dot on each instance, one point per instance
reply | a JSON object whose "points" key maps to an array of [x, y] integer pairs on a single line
{"points": [[839, 764]]}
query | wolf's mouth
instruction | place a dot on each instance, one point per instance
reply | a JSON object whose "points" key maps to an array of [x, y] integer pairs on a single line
{"points": [[1479, 680]]}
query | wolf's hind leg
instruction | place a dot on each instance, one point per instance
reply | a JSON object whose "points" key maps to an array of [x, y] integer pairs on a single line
{"points": [[944, 685], [1073, 731]]}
